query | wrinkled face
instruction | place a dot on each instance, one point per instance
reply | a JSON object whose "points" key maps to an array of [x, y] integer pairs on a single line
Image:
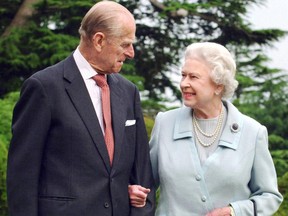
{"points": [[198, 89], [117, 49]]}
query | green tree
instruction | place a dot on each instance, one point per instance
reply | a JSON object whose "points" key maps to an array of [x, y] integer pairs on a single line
{"points": [[3, 160], [6, 107], [163, 31], [166, 28]]}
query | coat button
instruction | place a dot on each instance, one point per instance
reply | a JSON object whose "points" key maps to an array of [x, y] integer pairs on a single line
{"points": [[106, 205], [203, 198], [198, 177]]}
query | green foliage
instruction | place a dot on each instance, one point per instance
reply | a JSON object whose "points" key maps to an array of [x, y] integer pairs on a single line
{"points": [[267, 102], [6, 107], [152, 107], [280, 158], [8, 8], [277, 142], [30, 49], [149, 123], [283, 187], [3, 162]]}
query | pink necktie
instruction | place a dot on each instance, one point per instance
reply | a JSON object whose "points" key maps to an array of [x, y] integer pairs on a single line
{"points": [[105, 93]]}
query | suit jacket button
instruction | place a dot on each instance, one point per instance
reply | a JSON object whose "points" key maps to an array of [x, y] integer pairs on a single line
{"points": [[106, 205]]}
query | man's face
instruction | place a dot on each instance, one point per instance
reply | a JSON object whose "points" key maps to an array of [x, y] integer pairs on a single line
{"points": [[116, 52], [117, 49]]}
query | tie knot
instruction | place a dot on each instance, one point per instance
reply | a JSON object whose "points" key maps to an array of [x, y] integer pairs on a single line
{"points": [[100, 80]]}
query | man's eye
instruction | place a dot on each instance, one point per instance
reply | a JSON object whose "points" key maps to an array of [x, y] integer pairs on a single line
{"points": [[126, 45]]}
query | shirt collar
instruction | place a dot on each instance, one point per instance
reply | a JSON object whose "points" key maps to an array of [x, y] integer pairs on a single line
{"points": [[85, 68]]}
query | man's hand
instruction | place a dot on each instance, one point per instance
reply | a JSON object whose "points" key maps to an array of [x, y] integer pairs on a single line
{"points": [[138, 195]]}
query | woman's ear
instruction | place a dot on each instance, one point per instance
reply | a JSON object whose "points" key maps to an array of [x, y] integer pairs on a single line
{"points": [[98, 40], [219, 89]]}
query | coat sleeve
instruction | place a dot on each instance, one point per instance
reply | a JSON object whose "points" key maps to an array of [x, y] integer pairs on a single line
{"points": [[142, 171], [30, 123], [154, 149], [263, 183]]}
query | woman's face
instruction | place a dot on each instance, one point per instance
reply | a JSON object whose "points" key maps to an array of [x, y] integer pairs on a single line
{"points": [[198, 89]]}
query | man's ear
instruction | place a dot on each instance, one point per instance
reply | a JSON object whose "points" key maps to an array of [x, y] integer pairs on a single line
{"points": [[98, 40]]}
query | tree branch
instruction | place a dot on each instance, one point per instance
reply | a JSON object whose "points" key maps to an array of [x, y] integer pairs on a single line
{"points": [[160, 7], [24, 12]]}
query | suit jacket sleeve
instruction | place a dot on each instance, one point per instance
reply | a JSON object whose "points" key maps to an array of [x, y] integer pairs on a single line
{"points": [[30, 125], [142, 171]]}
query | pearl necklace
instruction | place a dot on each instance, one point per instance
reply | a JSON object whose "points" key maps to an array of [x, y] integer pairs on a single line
{"points": [[213, 135]]}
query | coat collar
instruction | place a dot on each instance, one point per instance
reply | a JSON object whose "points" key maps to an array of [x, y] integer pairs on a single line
{"points": [[231, 131], [183, 124]]}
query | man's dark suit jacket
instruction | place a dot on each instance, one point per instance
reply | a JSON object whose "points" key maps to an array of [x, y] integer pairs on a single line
{"points": [[58, 164]]}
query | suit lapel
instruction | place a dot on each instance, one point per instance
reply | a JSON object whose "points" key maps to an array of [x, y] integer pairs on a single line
{"points": [[79, 96], [118, 115]]}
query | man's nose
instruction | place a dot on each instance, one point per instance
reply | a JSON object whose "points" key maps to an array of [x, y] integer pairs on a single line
{"points": [[130, 52]]}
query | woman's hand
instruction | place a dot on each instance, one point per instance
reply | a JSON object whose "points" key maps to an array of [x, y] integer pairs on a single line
{"points": [[138, 195], [226, 211]]}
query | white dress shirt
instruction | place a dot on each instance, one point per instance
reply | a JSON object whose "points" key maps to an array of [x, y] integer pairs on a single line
{"points": [[87, 72]]}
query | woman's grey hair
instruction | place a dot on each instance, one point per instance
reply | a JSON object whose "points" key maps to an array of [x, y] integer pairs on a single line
{"points": [[105, 17], [221, 62]]}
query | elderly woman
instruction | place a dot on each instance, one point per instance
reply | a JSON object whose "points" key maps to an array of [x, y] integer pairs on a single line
{"points": [[208, 158]]}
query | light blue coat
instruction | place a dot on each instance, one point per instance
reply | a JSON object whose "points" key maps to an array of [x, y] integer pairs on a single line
{"points": [[240, 170]]}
